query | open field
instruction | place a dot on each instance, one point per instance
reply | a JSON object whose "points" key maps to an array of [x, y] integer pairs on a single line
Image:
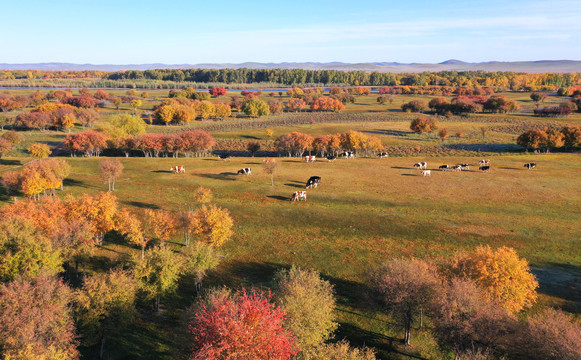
{"points": [[366, 211]]}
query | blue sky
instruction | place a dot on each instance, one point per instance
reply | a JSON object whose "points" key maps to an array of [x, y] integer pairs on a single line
{"points": [[174, 32]]}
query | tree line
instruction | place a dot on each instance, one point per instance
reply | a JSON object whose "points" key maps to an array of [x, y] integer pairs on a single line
{"points": [[512, 80]]}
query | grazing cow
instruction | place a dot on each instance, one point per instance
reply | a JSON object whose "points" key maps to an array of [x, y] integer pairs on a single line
{"points": [[331, 158], [421, 165], [224, 156], [444, 167], [313, 181], [244, 171], [426, 172], [178, 169], [299, 195], [531, 165], [348, 154], [457, 167], [484, 168], [484, 162], [383, 155], [310, 158]]}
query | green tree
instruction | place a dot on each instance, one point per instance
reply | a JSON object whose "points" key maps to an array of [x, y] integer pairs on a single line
{"points": [[130, 124], [25, 251], [309, 303], [105, 306], [255, 108], [199, 258], [157, 274]]}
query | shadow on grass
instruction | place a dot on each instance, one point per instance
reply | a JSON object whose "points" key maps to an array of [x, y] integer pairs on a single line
{"points": [[508, 168], [400, 167], [10, 162], [493, 148], [410, 175], [299, 186], [141, 205], [252, 163], [250, 137], [79, 183], [388, 132], [221, 176], [561, 281], [278, 197], [162, 171]]}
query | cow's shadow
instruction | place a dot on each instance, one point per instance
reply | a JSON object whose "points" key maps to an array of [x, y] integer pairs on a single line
{"points": [[162, 171], [252, 163], [221, 176], [410, 175], [278, 197], [400, 167], [300, 186], [509, 168]]}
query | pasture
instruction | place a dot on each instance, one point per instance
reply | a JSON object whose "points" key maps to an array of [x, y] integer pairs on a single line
{"points": [[365, 211]]}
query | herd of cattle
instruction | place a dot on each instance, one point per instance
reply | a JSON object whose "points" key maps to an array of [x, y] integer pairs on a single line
{"points": [[314, 181]]}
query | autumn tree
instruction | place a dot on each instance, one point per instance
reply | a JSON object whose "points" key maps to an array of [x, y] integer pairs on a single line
{"points": [[203, 195], [131, 227], [90, 143], [246, 325], [100, 212], [549, 335], [423, 124], [217, 91], [406, 288], [157, 273], [116, 101], [36, 320], [255, 108], [162, 224], [101, 95], [572, 136], [309, 303], [87, 117], [502, 273], [295, 104], [25, 251], [130, 124], [270, 166], [135, 104], [12, 137], [337, 351], [275, 107], [105, 306], [212, 224], [199, 258], [538, 97], [39, 151], [110, 170], [253, 147], [295, 143], [443, 134], [414, 106], [465, 318]]}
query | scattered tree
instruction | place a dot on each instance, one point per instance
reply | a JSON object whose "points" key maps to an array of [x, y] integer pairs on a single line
{"points": [[110, 170], [269, 166]]}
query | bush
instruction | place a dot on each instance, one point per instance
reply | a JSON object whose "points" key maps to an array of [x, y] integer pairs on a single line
{"points": [[414, 106], [423, 124]]}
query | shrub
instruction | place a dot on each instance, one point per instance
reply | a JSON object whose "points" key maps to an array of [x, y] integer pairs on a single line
{"points": [[423, 124], [414, 106]]}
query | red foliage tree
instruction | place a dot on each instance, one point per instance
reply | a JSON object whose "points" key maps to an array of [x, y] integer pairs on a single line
{"points": [[246, 326], [327, 104], [217, 91], [89, 143], [80, 101]]}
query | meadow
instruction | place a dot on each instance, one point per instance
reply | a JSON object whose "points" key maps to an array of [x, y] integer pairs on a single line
{"points": [[366, 210]]}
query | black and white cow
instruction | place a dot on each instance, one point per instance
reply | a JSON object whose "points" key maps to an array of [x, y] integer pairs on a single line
{"points": [[244, 171], [224, 156], [444, 167], [530, 165], [313, 181], [484, 162], [421, 165], [465, 166], [348, 154], [457, 167], [331, 158], [383, 155], [484, 168]]}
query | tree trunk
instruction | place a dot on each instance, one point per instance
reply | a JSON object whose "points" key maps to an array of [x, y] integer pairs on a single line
{"points": [[271, 179], [142, 252], [421, 319], [156, 303], [102, 348]]}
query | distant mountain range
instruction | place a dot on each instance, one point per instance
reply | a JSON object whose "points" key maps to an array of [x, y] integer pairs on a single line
{"points": [[541, 66]]}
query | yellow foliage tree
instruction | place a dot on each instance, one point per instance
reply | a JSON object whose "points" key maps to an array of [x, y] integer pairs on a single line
{"points": [[161, 223], [213, 224], [39, 151], [504, 276]]}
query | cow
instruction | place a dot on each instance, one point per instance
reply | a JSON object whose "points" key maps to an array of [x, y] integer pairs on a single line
{"points": [[310, 158], [224, 156], [426, 173], [244, 171], [313, 181], [457, 167], [299, 195], [421, 165], [178, 169], [383, 155], [484, 162], [484, 168], [348, 154], [465, 166], [331, 158], [444, 167], [530, 165]]}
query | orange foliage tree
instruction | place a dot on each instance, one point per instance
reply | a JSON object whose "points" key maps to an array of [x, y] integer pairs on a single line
{"points": [[161, 223]]}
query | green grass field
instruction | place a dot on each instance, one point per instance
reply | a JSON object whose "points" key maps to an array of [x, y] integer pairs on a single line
{"points": [[366, 211]]}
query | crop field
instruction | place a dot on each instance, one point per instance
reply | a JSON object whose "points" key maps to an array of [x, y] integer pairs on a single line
{"points": [[365, 211]]}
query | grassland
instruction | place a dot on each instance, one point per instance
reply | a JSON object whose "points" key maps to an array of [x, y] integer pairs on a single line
{"points": [[367, 210]]}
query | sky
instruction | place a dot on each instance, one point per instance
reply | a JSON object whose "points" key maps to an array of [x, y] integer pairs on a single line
{"points": [[191, 32]]}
